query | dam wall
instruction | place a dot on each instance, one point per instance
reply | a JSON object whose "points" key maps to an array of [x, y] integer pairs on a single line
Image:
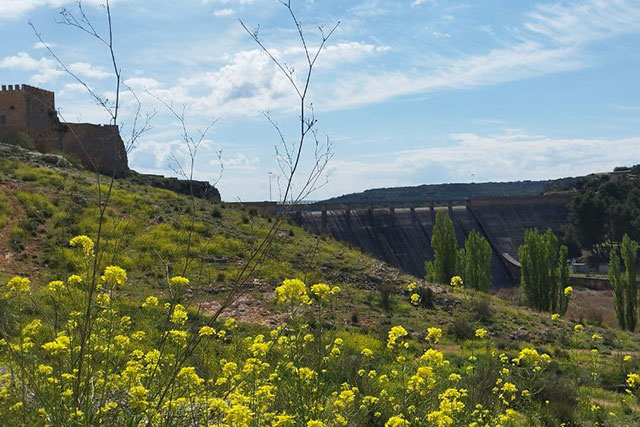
{"points": [[402, 236]]}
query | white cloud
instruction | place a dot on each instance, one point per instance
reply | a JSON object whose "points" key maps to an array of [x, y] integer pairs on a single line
{"points": [[511, 155], [524, 60], [240, 161], [553, 38], [223, 12], [419, 2], [250, 82], [41, 45], [72, 88], [86, 70], [583, 22], [45, 69], [16, 9], [142, 83]]}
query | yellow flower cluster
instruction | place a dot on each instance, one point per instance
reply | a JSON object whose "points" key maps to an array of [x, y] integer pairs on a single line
{"points": [[292, 375], [292, 291], [481, 333], [114, 275], [323, 292], [17, 285], [85, 243], [456, 282], [434, 335], [395, 334], [179, 282]]}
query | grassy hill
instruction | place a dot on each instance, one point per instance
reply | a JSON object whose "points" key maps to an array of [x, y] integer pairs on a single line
{"points": [[312, 368]]}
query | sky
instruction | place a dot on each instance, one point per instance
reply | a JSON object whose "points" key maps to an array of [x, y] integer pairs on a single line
{"points": [[409, 92]]}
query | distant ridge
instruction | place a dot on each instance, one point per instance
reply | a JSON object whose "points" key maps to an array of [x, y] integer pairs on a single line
{"points": [[460, 191]]}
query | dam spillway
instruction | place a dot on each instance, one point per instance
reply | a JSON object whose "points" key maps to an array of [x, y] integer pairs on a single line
{"points": [[402, 236]]}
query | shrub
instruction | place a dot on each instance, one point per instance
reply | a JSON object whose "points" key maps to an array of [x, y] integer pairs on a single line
{"points": [[21, 139], [461, 328], [482, 309], [385, 289]]}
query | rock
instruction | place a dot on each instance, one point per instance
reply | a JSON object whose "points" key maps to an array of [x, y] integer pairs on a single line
{"points": [[56, 160], [520, 334]]}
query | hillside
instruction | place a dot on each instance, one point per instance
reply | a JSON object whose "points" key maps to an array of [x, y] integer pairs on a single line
{"points": [[316, 365]]}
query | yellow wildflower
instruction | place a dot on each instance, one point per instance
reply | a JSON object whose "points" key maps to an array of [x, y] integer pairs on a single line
{"points": [[18, 285], [179, 282], [151, 301], [456, 281], [396, 421], [114, 275], [179, 315], [434, 335], [415, 299], [74, 280], [55, 286], [395, 334], [481, 333], [85, 242], [292, 291]]}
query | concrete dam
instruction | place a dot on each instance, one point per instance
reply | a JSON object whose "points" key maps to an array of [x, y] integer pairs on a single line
{"points": [[400, 233]]}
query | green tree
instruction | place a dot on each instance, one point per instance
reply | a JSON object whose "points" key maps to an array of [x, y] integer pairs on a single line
{"points": [[562, 297], [545, 271], [443, 242], [625, 286], [618, 289], [477, 262]]}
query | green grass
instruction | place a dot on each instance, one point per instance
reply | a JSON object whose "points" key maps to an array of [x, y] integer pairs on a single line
{"points": [[5, 208]]}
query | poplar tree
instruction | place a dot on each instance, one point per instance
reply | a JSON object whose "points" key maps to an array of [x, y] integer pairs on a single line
{"points": [[625, 286], [545, 271], [618, 289], [443, 242], [477, 262]]}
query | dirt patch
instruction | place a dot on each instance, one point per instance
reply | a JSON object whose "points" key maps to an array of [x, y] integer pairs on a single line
{"points": [[592, 306], [587, 305], [247, 309]]}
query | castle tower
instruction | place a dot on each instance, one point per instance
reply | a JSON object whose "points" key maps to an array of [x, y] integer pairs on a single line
{"points": [[30, 110]]}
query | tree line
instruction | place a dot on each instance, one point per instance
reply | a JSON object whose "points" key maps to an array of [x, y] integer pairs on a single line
{"points": [[544, 277]]}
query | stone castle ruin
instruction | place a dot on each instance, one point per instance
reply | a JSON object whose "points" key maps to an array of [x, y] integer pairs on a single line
{"points": [[32, 111]]}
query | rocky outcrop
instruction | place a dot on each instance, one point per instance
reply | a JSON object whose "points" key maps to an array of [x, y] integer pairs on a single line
{"points": [[201, 189]]}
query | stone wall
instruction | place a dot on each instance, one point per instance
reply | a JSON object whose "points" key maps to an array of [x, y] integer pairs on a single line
{"points": [[99, 147]]}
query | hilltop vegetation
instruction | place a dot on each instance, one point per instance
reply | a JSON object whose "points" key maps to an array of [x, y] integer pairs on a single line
{"points": [[461, 191], [458, 191], [356, 352]]}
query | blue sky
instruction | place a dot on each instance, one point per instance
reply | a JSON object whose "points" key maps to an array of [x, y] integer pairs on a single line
{"points": [[410, 92]]}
